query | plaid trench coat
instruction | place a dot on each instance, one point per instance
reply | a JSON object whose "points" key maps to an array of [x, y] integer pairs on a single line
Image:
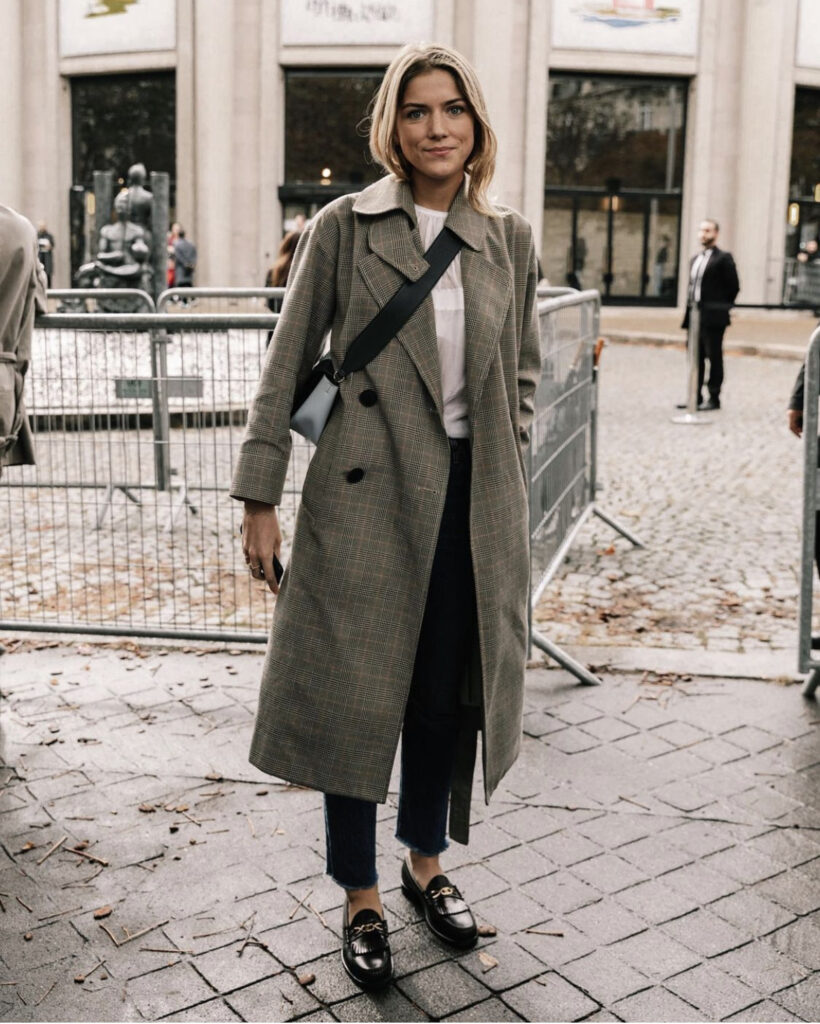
{"points": [[339, 663]]}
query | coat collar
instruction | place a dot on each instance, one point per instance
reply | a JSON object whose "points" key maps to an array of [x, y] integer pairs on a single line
{"points": [[389, 194]]}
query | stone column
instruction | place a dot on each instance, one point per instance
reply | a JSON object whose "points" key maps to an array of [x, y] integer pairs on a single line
{"points": [[11, 107]]}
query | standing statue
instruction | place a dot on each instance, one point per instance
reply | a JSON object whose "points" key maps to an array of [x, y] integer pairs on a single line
{"points": [[124, 254]]}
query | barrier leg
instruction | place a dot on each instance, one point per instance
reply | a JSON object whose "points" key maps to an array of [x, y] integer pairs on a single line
{"points": [[583, 675], [618, 527], [811, 684]]}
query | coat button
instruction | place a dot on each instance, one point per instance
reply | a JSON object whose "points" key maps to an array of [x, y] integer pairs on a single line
{"points": [[368, 398], [355, 475]]}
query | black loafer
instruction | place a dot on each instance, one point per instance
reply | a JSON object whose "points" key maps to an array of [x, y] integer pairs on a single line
{"points": [[366, 949], [445, 910], [710, 405]]}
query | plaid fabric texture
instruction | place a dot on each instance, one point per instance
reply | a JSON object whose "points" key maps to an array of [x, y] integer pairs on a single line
{"points": [[347, 620]]}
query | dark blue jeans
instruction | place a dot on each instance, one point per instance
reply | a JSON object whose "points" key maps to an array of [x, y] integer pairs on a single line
{"points": [[431, 717]]}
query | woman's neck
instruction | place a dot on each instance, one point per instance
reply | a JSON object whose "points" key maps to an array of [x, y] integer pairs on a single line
{"points": [[432, 194]]}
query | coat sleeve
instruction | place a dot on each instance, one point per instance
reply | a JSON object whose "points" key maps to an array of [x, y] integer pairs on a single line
{"points": [[529, 353], [796, 397], [730, 278], [307, 315]]}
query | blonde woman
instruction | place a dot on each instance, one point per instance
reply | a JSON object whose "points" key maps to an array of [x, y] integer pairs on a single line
{"points": [[404, 607]]}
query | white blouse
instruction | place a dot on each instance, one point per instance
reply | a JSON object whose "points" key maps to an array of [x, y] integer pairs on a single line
{"points": [[448, 303]]}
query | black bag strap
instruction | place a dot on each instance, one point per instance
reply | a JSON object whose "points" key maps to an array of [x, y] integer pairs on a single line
{"points": [[394, 315]]}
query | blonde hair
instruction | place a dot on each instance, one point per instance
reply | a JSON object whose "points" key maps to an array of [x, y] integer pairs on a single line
{"points": [[407, 64]]}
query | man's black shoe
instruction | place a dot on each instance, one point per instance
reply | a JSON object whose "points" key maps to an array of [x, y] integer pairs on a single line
{"points": [[711, 405], [815, 643], [366, 949], [445, 910]]}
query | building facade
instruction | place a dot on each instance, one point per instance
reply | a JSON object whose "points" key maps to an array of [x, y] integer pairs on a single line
{"points": [[621, 124]]}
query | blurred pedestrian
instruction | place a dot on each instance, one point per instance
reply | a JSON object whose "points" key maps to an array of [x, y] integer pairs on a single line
{"points": [[795, 419], [184, 262], [45, 245], [713, 287], [171, 241], [809, 253], [22, 293], [416, 493], [278, 273]]}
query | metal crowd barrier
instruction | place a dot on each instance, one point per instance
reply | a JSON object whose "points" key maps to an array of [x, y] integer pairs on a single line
{"points": [[807, 662], [218, 300], [125, 525], [563, 452], [801, 283]]}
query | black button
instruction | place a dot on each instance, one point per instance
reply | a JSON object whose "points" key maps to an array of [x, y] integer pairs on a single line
{"points": [[368, 398], [355, 475]]}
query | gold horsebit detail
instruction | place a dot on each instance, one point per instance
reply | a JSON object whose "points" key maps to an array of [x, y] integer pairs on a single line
{"points": [[371, 926], [445, 890]]}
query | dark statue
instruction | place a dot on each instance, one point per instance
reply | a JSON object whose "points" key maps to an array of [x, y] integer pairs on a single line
{"points": [[124, 248]]}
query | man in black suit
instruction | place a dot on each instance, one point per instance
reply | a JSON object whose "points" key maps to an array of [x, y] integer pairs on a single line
{"points": [[713, 286]]}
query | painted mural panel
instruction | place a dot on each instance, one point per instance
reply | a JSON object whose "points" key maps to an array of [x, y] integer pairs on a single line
{"points": [[808, 35], [632, 26], [116, 26], [355, 22]]}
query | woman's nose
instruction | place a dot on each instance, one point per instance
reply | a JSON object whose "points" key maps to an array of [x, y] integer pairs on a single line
{"points": [[437, 128]]}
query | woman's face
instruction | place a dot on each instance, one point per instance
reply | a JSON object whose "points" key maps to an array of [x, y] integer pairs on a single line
{"points": [[435, 127]]}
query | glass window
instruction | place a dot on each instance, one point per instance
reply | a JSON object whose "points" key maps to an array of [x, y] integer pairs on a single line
{"points": [[120, 120], [325, 130], [805, 169], [606, 128]]}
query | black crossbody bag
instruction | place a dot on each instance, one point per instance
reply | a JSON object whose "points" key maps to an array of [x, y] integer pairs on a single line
{"points": [[314, 402]]}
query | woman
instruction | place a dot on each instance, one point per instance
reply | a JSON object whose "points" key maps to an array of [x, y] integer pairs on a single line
{"points": [[404, 607], [278, 273]]}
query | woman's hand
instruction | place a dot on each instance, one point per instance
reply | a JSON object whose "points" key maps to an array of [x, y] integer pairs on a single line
{"points": [[261, 540], [796, 421]]}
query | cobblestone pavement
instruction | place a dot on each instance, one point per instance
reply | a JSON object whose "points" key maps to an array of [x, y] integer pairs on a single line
{"points": [[717, 506], [654, 855]]}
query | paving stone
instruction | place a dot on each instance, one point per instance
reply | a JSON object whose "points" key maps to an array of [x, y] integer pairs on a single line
{"points": [[609, 729], [644, 745], [442, 990], [761, 966], [487, 839], [549, 998], [803, 999], [215, 1010], [278, 998], [489, 1010], [296, 864], [750, 738], [684, 796], [609, 873], [515, 965], [706, 933], [793, 890], [561, 892], [415, 948], [519, 865], [389, 1005], [528, 823], [611, 831], [571, 741], [576, 712], [605, 977], [48, 943], [656, 1004], [718, 751], [713, 991], [701, 883], [749, 911], [224, 969], [555, 942], [298, 942], [654, 855], [512, 911], [766, 803], [98, 1000], [477, 882], [656, 902], [162, 992], [655, 954], [566, 847], [801, 941], [680, 734], [743, 864], [700, 838], [606, 921], [764, 1011]]}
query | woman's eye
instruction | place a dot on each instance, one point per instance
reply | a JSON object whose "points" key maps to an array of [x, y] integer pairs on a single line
{"points": [[414, 115], [457, 108]]}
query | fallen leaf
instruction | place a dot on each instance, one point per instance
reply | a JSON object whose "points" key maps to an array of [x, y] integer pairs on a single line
{"points": [[262, 792], [214, 777], [105, 911], [306, 979], [28, 936], [487, 929], [488, 961], [146, 808]]}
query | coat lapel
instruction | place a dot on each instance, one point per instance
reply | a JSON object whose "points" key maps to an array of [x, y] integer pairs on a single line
{"points": [[487, 294]]}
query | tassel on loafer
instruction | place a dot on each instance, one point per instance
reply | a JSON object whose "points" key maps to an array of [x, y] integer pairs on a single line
{"points": [[366, 952], [445, 910]]}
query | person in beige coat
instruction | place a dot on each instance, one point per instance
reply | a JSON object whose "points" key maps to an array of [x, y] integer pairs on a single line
{"points": [[22, 291], [404, 607]]}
